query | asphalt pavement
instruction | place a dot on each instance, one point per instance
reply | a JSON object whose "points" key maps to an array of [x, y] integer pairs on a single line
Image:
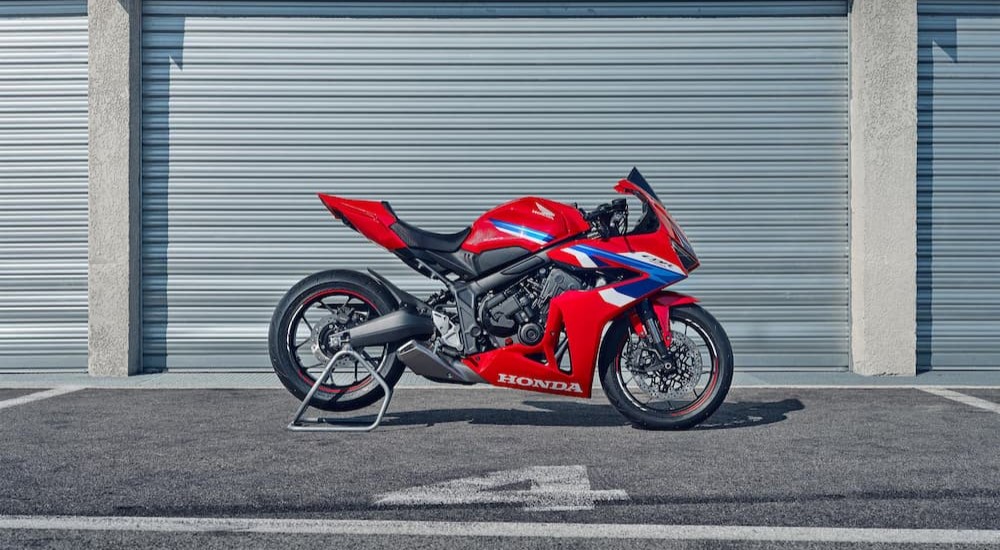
{"points": [[861, 459], [10, 393]]}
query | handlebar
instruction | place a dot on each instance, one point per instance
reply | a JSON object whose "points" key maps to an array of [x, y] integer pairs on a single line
{"points": [[603, 217], [605, 210]]}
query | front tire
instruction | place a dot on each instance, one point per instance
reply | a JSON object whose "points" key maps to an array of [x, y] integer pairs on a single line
{"points": [[325, 302], [671, 404]]}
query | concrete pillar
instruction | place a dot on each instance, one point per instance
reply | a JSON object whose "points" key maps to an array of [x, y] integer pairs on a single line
{"points": [[115, 248], [883, 172]]}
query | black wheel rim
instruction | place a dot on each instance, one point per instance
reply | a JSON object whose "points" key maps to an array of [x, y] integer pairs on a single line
{"points": [[324, 313], [682, 404]]}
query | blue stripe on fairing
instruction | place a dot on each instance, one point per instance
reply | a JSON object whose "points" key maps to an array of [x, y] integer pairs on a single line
{"points": [[658, 276], [653, 269], [528, 232], [641, 287]]}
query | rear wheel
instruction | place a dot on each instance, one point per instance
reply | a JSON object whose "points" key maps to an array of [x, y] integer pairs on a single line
{"points": [[300, 346], [676, 392]]}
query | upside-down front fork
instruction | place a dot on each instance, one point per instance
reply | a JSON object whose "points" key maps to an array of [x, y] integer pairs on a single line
{"points": [[646, 323]]}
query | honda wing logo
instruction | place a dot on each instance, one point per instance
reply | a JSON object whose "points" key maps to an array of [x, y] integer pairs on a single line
{"points": [[542, 211], [526, 382]]}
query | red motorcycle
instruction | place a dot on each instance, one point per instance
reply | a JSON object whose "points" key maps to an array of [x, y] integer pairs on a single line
{"points": [[537, 295]]}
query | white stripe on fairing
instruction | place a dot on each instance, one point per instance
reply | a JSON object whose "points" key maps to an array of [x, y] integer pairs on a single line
{"points": [[614, 297], [32, 397], [520, 234], [503, 529], [581, 257], [964, 399], [656, 261]]}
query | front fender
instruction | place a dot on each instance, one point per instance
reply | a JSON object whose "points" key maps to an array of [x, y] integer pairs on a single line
{"points": [[669, 298], [662, 302]]}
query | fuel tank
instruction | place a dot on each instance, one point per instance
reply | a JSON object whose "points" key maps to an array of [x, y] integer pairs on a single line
{"points": [[530, 223]]}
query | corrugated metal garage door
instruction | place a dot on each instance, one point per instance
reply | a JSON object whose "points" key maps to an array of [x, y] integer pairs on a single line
{"points": [[958, 186], [43, 185], [736, 111]]}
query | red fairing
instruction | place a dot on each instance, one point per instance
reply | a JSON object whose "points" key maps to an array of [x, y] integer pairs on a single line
{"points": [[370, 218], [584, 314], [673, 230], [530, 223]]}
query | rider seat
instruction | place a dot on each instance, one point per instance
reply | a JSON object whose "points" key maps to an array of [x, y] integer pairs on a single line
{"points": [[414, 237]]}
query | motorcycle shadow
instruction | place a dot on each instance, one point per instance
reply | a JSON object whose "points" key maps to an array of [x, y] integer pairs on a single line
{"points": [[569, 414], [746, 414]]}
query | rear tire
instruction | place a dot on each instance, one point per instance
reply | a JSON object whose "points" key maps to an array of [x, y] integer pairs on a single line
{"points": [[684, 417], [285, 332]]}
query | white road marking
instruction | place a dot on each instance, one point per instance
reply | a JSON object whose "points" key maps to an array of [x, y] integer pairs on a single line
{"points": [[503, 529], [31, 397], [549, 488], [965, 399]]}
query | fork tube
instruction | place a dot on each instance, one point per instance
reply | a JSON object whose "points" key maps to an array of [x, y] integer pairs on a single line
{"points": [[645, 311]]}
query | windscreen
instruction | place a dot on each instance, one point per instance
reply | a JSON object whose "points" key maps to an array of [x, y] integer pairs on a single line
{"points": [[635, 177], [677, 234]]}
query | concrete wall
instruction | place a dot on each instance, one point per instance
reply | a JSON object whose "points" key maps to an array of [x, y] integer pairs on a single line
{"points": [[115, 157], [883, 173]]}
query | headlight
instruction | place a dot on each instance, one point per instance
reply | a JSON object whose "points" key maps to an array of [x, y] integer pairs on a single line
{"points": [[688, 259]]}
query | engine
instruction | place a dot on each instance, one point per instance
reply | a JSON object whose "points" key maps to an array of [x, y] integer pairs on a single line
{"points": [[519, 311]]}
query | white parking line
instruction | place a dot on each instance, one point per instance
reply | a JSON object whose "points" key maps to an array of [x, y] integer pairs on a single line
{"points": [[54, 392], [966, 399], [503, 529]]}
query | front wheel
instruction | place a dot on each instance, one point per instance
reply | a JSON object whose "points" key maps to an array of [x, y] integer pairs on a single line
{"points": [[672, 393]]}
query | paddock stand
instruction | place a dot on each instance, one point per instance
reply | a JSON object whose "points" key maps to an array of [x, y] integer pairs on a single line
{"points": [[328, 424]]}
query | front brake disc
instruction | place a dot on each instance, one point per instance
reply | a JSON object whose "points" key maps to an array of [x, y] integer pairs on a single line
{"points": [[671, 379], [687, 367]]}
